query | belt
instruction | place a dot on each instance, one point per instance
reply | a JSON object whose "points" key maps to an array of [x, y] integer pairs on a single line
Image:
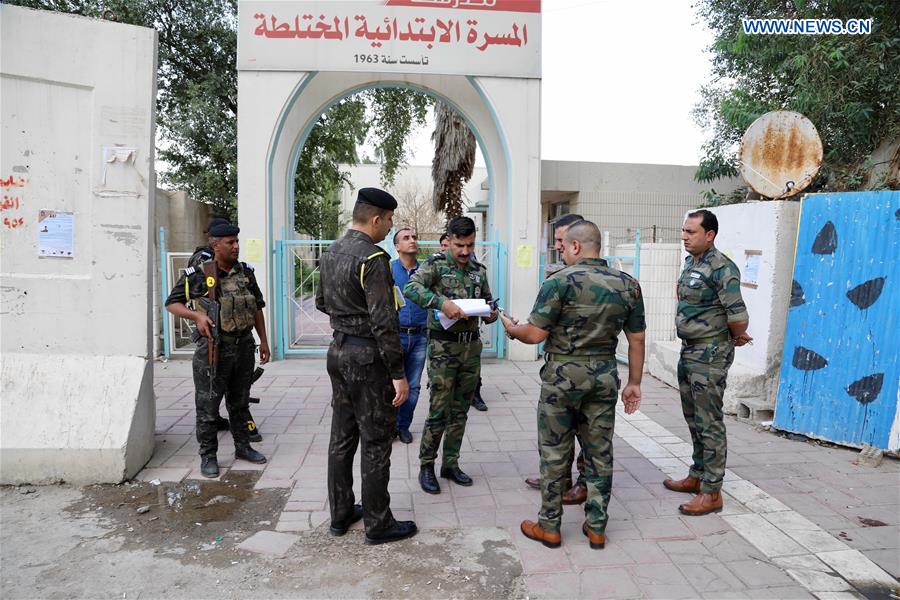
{"points": [[233, 337], [354, 340], [710, 339], [463, 337], [580, 358], [412, 330]]}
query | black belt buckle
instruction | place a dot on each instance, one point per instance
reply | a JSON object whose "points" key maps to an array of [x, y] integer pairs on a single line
{"points": [[410, 330]]}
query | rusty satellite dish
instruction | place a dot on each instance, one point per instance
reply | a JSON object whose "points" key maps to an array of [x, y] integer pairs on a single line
{"points": [[780, 154]]}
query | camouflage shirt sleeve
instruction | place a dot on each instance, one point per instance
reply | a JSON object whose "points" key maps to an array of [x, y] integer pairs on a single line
{"points": [[548, 305], [728, 288], [378, 284], [181, 293], [421, 284], [636, 321]]}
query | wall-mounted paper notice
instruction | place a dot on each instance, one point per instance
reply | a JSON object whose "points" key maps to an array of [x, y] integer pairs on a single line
{"points": [[524, 259], [253, 252], [56, 234]]}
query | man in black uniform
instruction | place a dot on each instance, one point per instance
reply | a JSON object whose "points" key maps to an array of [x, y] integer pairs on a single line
{"points": [[365, 363], [201, 255], [241, 303]]}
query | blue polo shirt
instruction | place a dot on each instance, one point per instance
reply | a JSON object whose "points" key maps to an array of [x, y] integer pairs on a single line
{"points": [[411, 315]]}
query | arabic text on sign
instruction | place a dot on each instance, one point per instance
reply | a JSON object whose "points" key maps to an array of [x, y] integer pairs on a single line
{"points": [[337, 28]]}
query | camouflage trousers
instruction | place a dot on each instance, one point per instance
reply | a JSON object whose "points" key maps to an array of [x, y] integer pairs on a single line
{"points": [[233, 374], [362, 415], [453, 372], [702, 371], [577, 398]]}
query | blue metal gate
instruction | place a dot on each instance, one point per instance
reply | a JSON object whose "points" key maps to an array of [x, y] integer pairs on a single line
{"points": [[839, 371], [302, 330]]}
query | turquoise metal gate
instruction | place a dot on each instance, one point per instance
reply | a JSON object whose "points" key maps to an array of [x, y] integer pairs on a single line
{"points": [[302, 330]]}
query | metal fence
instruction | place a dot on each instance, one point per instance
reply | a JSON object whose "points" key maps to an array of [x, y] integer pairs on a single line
{"points": [[303, 330]]}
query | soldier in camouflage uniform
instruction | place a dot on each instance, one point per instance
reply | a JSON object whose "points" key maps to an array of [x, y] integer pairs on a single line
{"points": [[711, 320], [201, 255], [365, 364], [454, 355], [579, 313], [241, 304]]}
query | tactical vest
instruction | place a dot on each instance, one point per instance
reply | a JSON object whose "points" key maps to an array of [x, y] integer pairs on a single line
{"points": [[237, 303]]}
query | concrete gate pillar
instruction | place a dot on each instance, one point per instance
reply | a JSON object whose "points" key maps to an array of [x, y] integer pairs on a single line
{"points": [[282, 92]]}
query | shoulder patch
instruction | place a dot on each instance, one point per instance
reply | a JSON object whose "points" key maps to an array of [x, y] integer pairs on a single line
{"points": [[190, 271], [248, 266]]}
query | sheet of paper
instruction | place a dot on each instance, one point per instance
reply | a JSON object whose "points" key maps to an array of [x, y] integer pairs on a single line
{"points": [[56, 234], [524, 258], [473, 307], [253, 252]]}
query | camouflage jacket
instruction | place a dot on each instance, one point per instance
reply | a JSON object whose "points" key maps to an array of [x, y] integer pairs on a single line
{"points": [[238, 295], [709, 296], [440, 279], [585, 306], [357, 292]]}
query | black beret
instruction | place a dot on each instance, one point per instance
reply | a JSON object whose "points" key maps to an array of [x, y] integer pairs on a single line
{"points": [[224, 229], [215, 221], [376, 197]]}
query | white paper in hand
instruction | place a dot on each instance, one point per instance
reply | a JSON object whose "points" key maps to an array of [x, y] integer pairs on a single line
{"points": [[473, 307]]}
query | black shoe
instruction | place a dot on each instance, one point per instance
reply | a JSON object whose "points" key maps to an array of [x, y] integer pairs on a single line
{"points": [[428, 481], [339, 528], [253, 430], [222, 424], [209, 466], [456, 474], [400, 530], [478, 403], [405, 436], [249, 454]]}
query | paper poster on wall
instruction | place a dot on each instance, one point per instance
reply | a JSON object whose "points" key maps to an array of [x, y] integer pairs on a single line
{"points": [[750, 272], [253, 252], [56, 234], [524, 259]]}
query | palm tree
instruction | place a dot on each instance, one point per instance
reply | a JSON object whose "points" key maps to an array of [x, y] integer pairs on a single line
{"points": [[454, 160]]}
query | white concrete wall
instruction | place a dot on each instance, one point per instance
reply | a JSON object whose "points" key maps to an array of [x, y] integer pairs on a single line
{"points": [[77, 400], [279, 107]]}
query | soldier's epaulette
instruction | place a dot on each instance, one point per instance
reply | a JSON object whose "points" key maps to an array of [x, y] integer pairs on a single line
{"points": [[190, 271], [248, 266]]}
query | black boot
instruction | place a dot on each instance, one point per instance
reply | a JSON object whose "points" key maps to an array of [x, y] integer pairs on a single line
{"points": [[209, 466], [456, 474], [477, 401], [339, 528], [428, 481], [249, 454], [400, 530]]}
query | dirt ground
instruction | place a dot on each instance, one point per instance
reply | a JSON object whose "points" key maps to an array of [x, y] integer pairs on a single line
{"points": [[139, 540]]}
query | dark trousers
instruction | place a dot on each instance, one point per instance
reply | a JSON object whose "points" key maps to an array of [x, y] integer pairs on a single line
{"points": [[362, 414], [233, 374]]}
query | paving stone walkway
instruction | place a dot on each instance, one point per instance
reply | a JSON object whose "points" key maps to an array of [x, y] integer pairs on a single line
{"points": [[801, 520]]}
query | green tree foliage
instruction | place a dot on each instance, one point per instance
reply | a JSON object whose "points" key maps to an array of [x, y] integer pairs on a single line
{"points": [[847, 85], [197, 110]]}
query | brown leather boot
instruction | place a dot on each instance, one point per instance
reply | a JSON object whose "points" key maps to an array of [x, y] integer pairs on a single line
{"points": [[533, 482], [689, 484], [577, 494], [534, 531], [597, 540], [702, 504]]}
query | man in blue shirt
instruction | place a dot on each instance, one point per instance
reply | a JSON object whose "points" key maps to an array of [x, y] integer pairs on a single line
{"points": [[413, 319]]}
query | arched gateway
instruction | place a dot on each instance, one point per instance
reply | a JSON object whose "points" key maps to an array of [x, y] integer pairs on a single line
{"points": [[296, 58]]}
